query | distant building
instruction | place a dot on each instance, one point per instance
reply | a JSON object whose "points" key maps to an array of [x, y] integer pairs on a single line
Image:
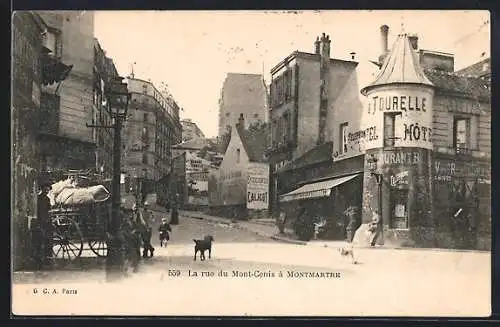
{"points": [[242, 94], [151, 129], [104, 70], [190, 131], [240, 187], [481, 69]]}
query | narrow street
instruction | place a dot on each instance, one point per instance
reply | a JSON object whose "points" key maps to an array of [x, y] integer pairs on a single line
{"points": [[405, 282]]}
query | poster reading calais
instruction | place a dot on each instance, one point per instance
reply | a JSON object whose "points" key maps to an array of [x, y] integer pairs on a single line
{"points": [[258, 186]]}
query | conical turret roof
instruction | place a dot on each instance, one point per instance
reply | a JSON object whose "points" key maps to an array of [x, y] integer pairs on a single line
{"points": [[401, 66]]}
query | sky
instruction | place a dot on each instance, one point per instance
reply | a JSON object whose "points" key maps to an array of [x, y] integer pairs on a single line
{"points": [[193, 51]]}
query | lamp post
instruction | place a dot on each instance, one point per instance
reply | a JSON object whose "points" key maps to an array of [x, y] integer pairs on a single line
{"points": [[118, 99], [379, 179]]}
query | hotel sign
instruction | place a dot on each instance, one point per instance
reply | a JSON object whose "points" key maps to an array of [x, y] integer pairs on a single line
{"points": [[405, 109]]}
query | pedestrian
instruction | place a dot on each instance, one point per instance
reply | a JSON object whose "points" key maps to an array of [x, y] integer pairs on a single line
{"points": [[164, 230], [351, 213], [374, 228], [147, 219], [43, 228], [174, 219], [281, 222]]}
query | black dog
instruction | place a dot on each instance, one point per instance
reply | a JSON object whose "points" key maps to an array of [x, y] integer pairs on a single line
{"points": [[202, 246]]}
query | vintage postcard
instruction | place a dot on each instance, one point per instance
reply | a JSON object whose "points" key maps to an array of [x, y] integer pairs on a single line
{"points": [[251, 163]]}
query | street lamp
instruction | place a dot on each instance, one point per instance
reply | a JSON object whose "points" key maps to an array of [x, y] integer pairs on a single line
{"points": [[118, 98], [372, 160]]}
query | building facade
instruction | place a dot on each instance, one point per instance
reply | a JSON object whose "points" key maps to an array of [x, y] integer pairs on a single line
{"points": [[420, 126], [242, 94], [33, 66], [433, 151], [64, 139], [230, 193], [151, 129], [191, 131], [306, 91], [104, 71]]}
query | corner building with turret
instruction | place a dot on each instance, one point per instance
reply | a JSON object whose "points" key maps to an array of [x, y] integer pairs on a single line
{"points": [[426, 157]]}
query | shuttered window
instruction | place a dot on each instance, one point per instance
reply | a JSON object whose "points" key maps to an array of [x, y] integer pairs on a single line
{"points": [[49, 113]]}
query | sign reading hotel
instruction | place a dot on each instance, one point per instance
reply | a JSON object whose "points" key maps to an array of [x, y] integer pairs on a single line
{"points": [[258, 186], [407, 108]]}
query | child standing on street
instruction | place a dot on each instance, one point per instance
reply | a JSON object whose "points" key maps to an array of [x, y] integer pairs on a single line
{"points": [[164, 230]]}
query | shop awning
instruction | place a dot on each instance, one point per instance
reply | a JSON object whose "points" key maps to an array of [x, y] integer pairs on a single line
{"points": [[315, 190]]}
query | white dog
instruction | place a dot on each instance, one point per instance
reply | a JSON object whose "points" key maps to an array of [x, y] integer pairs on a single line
{"points": [[362, 238]]}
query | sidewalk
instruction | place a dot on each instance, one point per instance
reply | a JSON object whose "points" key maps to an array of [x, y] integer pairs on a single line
{"points": [[261, 227], [266, 228]]}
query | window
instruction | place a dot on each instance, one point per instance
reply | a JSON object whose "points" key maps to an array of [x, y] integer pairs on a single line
{"points": [[144, 89], [285, 128], [274, 131], [390, 128], [281, 88], [344, 130], [461, 133], [49, 113], [145, 158], [255, 115], [238, 155], [228, 114], [52, 41], [399, 209], [145, 118]]}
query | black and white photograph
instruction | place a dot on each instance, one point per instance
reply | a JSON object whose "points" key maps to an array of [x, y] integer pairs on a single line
{"points": [[325, 163]]}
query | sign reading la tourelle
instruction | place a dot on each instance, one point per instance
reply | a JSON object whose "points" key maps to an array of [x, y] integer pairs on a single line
{"points": [[401, 113]]}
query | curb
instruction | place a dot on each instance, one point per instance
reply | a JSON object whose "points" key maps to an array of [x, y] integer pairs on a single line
{"points": [[325, 245], [287, 240]]}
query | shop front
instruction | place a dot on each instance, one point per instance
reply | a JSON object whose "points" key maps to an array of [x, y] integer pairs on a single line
{"points": [[462, 201], [402, 192], [324, 190]]}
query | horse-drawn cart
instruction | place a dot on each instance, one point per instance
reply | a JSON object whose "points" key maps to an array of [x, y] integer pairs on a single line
{"points": [[79, 217]]}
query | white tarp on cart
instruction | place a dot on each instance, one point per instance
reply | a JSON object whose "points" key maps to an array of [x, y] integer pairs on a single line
{"points": [[66, 193]]}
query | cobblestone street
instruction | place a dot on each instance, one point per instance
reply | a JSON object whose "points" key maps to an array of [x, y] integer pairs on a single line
{"points": [[415, 282]]}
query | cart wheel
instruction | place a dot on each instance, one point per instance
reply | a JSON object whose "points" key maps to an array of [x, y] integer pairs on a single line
{"points": [[99, 247], [67, 239]]}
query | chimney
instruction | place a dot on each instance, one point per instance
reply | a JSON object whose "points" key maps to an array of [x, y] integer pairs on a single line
{"points": [[384, 32], [241, 121], [413, 41], [325, 46], [353, 55], [316, 45]]}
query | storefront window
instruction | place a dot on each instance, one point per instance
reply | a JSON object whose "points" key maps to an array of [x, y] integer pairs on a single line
{"points": [[344, 131], [399, 209]]}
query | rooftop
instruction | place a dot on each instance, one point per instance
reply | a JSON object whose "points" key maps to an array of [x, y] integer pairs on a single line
{"points": [[401, 65], [478, 69], [467, 85], [305, 55], [254, 141]]}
